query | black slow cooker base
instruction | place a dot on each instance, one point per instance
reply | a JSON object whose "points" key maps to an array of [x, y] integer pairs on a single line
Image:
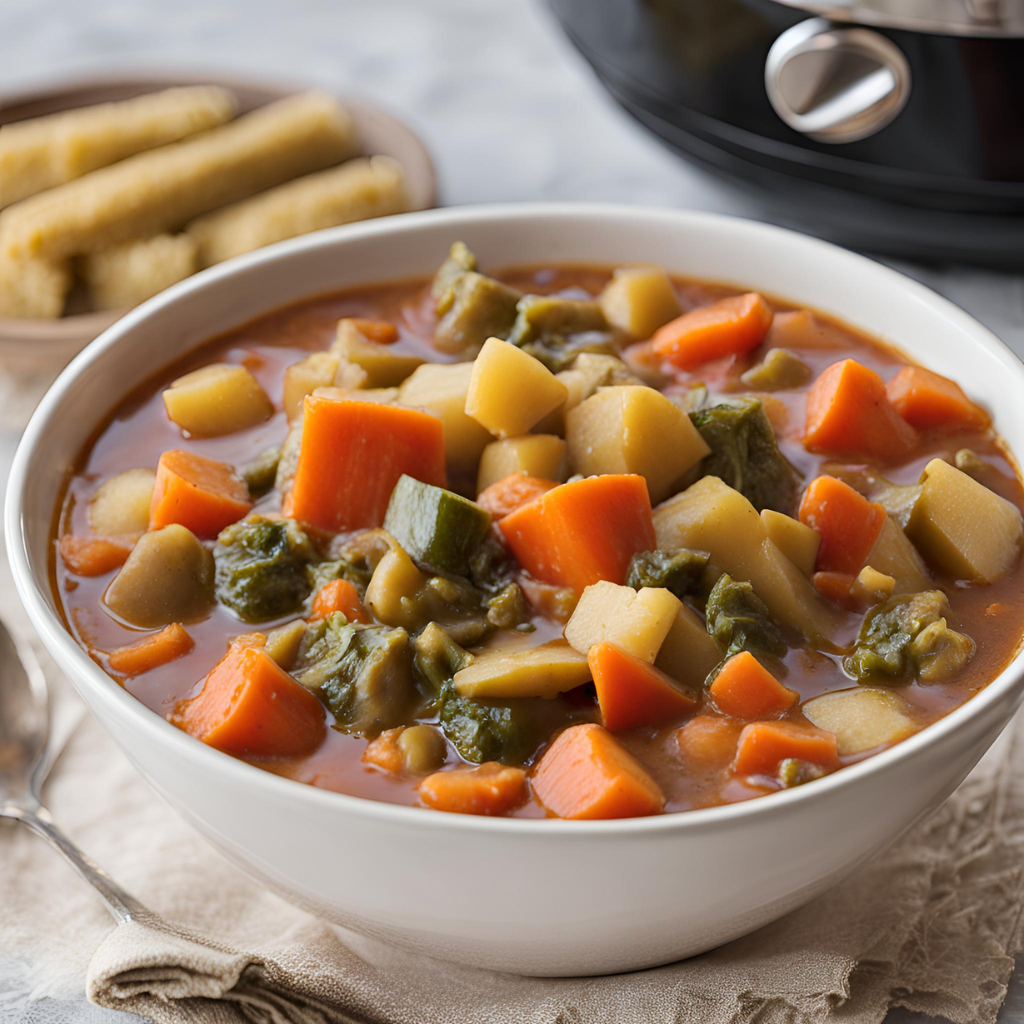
{"points": [[848, 217], [926, 187]]}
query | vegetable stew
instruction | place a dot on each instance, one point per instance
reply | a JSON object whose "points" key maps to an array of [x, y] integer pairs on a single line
{"points": [[558, 541]]}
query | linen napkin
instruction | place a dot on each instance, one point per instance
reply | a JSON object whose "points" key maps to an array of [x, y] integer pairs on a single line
{"points": [[932, 925]]}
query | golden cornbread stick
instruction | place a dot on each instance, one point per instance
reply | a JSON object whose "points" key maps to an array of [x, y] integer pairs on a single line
{"points": [[164, 188], [126, 274], [46, 151], [33, 289], [358, 190]]}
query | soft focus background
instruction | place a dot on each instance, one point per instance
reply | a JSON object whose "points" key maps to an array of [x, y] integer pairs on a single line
{"points": [[510, 112]]}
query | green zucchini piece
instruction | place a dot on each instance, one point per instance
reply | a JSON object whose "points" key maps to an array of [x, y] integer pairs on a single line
{"points": [[437, 528]]}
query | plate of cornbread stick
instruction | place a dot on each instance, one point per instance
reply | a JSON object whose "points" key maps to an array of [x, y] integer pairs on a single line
{"points": [[112, 191]]}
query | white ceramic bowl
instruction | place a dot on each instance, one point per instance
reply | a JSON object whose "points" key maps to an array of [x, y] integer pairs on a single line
{"points": [[535, 897]]}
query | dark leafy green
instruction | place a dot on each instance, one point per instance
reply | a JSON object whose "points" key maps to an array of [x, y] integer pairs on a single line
{"points": [[508, 608], [364, 674], [744, 454], [437, 658], [338, 569], [740, 621], [679, 571], [480, 730], [261, 568], [556, 330], [906, 636], [490, 567], [260, 473]]}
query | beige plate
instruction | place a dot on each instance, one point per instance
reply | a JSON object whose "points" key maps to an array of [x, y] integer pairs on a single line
{"points": [[32, 352]]}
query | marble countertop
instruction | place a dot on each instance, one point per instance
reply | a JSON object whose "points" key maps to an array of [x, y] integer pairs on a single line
{"points": [[509, 110]]}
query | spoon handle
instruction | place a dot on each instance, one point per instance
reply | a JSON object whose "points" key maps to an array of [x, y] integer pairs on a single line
{"points": [[123, 906]]}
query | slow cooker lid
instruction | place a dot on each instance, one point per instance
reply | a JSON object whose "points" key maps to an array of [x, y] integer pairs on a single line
{"points": [[942, 17]]}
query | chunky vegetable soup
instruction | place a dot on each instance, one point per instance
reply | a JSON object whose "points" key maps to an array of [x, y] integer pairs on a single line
{"points": [[560, 541]]}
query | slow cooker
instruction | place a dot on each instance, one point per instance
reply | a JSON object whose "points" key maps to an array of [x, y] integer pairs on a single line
{"points": [[890, 125]]}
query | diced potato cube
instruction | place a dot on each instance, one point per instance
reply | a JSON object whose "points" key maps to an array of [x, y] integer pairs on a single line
{"points": [[385, 368], [120, 506], [441, 388], [509, 390], [634, 429], [217, 399], [543, 671], [539, 455], [799, 543], [317, 370], [639, 300], [167, 578], [636, 620], [689, 652], [894, 555], [872, 586], [588, 372], [711, 516], [861, 719], [283, 643], [962, 527]]}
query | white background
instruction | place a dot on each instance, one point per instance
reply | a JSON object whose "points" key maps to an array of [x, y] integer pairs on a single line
{"points": [[508, 108]]}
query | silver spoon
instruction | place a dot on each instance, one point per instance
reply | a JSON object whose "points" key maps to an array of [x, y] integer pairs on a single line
{"points": [[24, 762]]}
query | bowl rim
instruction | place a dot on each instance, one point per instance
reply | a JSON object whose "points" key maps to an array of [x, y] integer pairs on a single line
{"points": [[106, 693]]}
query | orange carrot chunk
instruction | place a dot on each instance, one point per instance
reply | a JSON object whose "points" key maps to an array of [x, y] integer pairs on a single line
{"points": [[729, 327], [251, 707], [587, 774], [254, 639], [492, 788], [384, 752], [171, 643], [339, 596], [708, 740], [744, 688], [763, 745], [837, 587], [848, 523], [92, 556], [929, 401], [380, 331], [201, 494], [632, 693], [351, 457], [582, 532], [514, 491], [849, 413]]}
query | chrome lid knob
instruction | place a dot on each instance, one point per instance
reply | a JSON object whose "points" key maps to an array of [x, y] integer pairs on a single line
{"points": [[836, 84]]}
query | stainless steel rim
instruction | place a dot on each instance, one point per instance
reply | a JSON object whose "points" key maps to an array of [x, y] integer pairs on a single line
{"points": [[991, 18]]}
